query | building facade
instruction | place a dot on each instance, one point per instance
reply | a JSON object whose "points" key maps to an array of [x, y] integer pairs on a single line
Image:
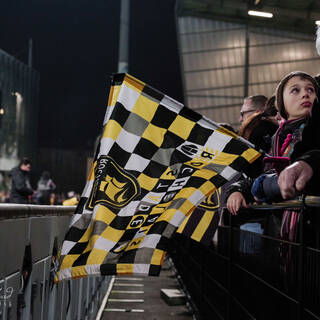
{"points": [[19, 91]]}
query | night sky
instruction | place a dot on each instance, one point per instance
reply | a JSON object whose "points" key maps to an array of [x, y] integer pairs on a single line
{"points": [[76, 50]]}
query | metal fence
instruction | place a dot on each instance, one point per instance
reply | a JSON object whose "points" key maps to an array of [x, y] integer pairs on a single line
{"points": [[252, 276], [30, 237]]}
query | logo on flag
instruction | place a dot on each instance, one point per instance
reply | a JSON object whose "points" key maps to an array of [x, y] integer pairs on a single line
{"points": [[113, 186]]}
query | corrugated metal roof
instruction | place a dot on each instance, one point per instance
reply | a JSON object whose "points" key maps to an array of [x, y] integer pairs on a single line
{"points": [[216, 55], [294, 15]]}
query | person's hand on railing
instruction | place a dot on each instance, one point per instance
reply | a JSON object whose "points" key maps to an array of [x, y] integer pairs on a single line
{"points": [[293, 179], [236, 201]]}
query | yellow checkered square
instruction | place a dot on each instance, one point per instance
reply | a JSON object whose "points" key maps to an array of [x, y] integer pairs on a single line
{"points": [[154, 134], [250, 155], [225, 158], [104, 214], [68, 260], [205, 174], [86, 236], [186, 207], [96, 256], [111, 130], [78, 272], [147, 182], [124, 268], [145, 108], [182, 127], [185, 193], [113, 97], [157, 257], [112, 234], [207, 188], [167, 215]]}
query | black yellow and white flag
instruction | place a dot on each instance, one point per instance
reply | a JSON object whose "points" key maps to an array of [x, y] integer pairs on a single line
{"points": [[203, 222], [157, 160]]}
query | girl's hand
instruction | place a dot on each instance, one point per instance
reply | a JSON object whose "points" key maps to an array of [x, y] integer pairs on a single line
{"points": [[236, 201]]}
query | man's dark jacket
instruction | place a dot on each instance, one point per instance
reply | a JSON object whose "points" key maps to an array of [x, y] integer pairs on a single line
{"points": [[308, 149], [20, 186]]}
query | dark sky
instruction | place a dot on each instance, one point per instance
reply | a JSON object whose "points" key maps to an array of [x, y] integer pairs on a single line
{"points": [[76, 50]]}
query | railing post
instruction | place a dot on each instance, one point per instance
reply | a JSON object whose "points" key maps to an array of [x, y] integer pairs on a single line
{"points": [[301, 259], [230, 240]]}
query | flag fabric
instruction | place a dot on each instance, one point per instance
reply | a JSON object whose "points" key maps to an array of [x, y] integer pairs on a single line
{"points": [[156, 162], [202, 223]]}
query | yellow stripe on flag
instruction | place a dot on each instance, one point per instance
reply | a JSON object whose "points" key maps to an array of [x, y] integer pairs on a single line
{"points": [[203, 225]]}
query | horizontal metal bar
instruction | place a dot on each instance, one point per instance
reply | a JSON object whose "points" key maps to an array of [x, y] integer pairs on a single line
{"points": [[125, 300], [129, 279], [128, 285], [282, 35], [123, 310], [218, 107], [310, 201], [14, 211], [252, 65], [210, 31], [127, 291], [243, 47], [233, 86], [213, 96]]}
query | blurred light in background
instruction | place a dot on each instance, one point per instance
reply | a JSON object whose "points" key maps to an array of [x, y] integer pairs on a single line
{"points": [[260, 14]]}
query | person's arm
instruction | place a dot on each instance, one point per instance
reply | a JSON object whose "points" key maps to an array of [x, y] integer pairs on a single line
{"points": [[236, 201], [312, 158], [293, 179], [238, 195], [266, 188]]}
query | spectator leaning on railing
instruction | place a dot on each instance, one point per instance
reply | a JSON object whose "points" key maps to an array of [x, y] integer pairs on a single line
{"points": [[295, 97], [304, 173]]}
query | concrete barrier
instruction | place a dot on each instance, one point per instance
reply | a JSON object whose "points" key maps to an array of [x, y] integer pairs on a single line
{"points": [[30, 237]]}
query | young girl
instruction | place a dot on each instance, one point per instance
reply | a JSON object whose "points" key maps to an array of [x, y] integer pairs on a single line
{"points": [[295, 96]]}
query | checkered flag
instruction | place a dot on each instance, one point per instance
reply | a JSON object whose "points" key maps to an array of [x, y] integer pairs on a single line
{"points": [[157, 160]]}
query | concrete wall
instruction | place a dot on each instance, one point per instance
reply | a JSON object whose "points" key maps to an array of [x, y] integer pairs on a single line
{"points": [[30, 237]]}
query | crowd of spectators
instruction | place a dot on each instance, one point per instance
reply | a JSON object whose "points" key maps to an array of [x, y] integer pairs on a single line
{"points": [[45, 193]]}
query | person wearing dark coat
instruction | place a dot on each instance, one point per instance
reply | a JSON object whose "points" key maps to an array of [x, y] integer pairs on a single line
{"points": [[20, 184]]}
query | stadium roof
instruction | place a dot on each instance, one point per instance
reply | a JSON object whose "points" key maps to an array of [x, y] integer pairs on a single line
{"points": [[293, 15]]}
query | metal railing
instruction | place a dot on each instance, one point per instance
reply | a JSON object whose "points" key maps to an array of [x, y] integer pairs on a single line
{"points": [[253, 276], [30, 238]]}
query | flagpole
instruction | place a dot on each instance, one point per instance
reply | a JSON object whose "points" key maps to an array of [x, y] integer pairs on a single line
{"points": [[123, 64], [30, 49]]}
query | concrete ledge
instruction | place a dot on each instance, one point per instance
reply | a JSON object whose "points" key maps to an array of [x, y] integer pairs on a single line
{"points": [[173, 297]]}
